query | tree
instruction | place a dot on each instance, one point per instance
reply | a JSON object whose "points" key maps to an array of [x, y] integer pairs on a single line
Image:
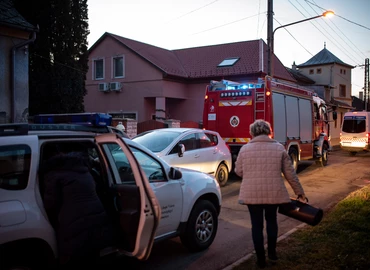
{"points": [[58, 57]]}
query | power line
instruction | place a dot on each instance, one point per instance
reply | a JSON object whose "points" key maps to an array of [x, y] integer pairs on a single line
{"points": [[258, 20], [334, 32], [192, 11], [319, 29], [227, 24], [339, 16], [58, 63], [343, 34], [295, 38]]}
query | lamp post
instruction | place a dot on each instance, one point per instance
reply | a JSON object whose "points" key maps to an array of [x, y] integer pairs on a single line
{"points": [[271, 54]]}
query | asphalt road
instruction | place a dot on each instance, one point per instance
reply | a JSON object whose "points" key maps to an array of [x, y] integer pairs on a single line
{"points": [[323, 186]]}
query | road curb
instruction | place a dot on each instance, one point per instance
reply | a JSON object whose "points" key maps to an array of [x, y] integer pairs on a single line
{"points": [[280, 238], [248, 256]]}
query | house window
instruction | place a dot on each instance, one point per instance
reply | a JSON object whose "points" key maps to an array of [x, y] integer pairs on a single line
{"points": [[318, 71], [124, 115], [228, 62], [311, 71], [344, 71], [98, 69], [118, 67], [342, 90]]}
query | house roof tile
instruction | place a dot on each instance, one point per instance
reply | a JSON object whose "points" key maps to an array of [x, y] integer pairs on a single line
{"points": [[9, 16], [202, 62], [323, 57]]}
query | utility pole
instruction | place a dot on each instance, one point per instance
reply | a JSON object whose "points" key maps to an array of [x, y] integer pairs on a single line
{"points": [[366, 85], [270, 36]]}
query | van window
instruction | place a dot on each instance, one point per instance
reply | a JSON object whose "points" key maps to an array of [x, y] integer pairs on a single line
{"points": [[354, 124]]}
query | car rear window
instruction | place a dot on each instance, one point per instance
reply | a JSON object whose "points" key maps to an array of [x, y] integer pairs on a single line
{"points": [[208, 140], [354, 124], [15, 163]]}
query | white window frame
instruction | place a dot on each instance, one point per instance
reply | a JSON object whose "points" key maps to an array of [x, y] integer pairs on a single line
{"points": [[123, 66], [93, 69], [118, 114]]}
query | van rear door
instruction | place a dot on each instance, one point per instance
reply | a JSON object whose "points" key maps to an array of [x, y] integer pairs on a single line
{"points": [[354, 132]]}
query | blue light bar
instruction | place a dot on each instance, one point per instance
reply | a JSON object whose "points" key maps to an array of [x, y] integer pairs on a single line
{"points": [[86, 119]]}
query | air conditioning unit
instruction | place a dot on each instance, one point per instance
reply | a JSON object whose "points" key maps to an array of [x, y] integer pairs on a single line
{"points": [[115, 86], [103, 87]]}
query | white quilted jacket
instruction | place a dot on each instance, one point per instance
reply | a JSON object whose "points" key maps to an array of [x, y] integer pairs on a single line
{"points": [[260, 164]]}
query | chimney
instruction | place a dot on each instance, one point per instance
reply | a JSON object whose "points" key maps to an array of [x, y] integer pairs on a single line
{"points": [[361, 95], [294, 66]]}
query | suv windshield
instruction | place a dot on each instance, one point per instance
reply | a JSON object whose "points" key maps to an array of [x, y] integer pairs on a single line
{"points": [[354, 124], [156, 141]]}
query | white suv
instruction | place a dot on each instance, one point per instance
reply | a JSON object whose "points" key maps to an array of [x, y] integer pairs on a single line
{"points": [[157, 201]]}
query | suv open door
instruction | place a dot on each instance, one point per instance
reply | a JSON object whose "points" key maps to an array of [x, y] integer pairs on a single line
{"points": [[138, 209]]}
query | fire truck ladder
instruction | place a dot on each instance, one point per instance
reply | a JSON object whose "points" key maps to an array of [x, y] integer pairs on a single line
{"points": [[260, 99]]}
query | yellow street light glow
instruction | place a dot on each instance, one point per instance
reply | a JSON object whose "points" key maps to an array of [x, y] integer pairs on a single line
{"points": [[328, 13]]}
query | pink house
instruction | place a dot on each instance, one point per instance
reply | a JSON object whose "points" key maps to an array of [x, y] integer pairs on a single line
{"points": [[131, 79]]}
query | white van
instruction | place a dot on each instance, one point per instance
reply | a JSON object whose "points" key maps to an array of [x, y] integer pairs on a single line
{"points": [[355, 133]]}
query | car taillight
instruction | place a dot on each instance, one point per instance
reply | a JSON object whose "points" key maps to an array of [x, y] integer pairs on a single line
{"points": [[368, 137], [228, 146]]}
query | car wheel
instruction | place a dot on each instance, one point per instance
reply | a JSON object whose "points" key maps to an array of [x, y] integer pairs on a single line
{"points": [[201, 228], [222, 175], [294, 158], [352, 153]]}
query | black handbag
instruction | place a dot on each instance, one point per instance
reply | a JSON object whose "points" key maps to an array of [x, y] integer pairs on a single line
{"points": [[302, 211]]}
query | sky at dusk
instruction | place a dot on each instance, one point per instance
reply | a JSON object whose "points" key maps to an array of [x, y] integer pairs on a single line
{"points": [[176, 24]]}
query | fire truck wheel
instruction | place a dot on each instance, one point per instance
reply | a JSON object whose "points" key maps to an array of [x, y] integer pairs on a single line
{"points": [[222, 175], [294, 157], [323, 161], [324, 157]]}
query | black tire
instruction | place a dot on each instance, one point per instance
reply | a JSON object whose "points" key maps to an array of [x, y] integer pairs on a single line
{"points": [[352, 154], [201, 228], [293, 154], [222, 175], [324, 155]]}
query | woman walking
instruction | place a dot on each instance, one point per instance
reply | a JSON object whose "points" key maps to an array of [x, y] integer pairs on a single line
{"points": [[261, 163]]}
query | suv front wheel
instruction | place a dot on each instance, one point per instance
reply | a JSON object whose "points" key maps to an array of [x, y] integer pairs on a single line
{"points": [[201, 228]]}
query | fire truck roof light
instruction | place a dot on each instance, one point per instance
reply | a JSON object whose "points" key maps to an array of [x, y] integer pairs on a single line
{"points": [[87, 119]]}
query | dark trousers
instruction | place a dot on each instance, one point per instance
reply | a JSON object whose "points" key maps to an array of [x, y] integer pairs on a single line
{"points": [[257, 212]]}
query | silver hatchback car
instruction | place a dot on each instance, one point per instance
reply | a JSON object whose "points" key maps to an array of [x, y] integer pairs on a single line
{"points": [[192, 148]]}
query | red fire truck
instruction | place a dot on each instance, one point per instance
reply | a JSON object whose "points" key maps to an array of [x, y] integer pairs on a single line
{"points": [[299, 119]]}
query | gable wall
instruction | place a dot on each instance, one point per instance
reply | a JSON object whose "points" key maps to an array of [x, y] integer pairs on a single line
{"points": [[142, 80]]}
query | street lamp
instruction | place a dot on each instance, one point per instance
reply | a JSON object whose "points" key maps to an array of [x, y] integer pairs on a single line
{"points": [[271, 54]]}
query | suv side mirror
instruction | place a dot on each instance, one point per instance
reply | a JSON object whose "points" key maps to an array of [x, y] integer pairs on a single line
{"points": [[334, 115], [175, 174]]}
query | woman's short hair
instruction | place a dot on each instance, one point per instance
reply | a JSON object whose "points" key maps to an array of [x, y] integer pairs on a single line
{"points": [[260, 127]]}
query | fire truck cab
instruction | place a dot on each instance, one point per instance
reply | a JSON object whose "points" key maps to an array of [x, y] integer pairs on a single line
{"points": [[299, 118]]}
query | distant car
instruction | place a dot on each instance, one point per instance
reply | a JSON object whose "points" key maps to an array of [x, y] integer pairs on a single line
{"points": [[192, 148]]}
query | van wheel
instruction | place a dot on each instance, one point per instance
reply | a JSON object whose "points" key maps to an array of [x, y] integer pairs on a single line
{"points": [[201, 228], [294, 158], [222, 175], [352, 154]]}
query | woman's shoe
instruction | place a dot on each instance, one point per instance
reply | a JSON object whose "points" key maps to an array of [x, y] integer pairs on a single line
{"points": [[272, 257], [261, 263]]}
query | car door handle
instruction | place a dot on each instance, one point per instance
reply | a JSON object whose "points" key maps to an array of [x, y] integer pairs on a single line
{"points": [[196, 155]]}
